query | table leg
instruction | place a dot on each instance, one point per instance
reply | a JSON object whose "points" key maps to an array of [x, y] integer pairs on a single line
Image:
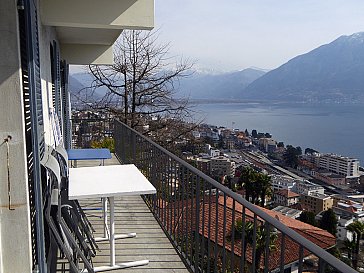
{"points": [[104, 212], [112, 231], [112, 238]]}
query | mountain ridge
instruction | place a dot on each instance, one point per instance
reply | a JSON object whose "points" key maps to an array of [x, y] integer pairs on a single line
{"points": [[329, 73]]}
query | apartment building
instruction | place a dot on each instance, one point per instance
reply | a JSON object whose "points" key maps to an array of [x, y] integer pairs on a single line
{"points": [[203, 164], [282, 182], [285, 197], [329, 177], [267, 144], [307, 187], [39, 39], [223, 166], [316, 202], [346, 166]]}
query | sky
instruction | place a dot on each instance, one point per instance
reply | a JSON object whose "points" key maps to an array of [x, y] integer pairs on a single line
{"points": [[229, 35]]}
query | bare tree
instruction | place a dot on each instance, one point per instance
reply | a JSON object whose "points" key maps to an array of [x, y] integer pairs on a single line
{"points": [[140, 85]]}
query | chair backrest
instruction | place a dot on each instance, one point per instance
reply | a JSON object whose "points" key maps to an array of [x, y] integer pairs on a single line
{"points": [[66, 222]]}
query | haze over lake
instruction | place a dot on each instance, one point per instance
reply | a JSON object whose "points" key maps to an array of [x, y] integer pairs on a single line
{"points": [[328, 128]]}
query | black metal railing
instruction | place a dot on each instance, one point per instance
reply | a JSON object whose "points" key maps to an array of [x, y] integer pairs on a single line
{"points": [[213, 228], [85, 131]]}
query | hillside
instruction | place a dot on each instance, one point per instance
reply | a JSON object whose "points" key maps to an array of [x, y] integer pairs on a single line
{"points": [[331, 73], [220, 86]]}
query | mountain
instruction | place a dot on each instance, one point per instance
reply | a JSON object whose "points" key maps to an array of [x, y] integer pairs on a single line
{"points": [[217, 86], [330, 73], [74, 84], [78, 84]]}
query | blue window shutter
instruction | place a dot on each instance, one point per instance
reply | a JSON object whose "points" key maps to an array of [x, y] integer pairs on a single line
{"points": [[66, 107], [34, 127], [57, 81]]}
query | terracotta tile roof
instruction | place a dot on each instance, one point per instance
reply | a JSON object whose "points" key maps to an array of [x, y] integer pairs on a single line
{"points": [[287, 193], [224, 228], [181, 217]]}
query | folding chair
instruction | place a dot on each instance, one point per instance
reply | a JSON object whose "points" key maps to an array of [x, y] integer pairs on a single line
{"points": [[65, 230]]}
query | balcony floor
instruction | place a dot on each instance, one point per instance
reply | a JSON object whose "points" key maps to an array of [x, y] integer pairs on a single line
{"points": [[132, 215]]}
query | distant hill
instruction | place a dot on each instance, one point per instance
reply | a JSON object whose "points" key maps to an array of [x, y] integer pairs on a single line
{"points": [[217, 86], [77, 85], [330, 73]]}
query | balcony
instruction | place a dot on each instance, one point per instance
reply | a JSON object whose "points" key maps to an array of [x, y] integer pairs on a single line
{"points": [[201, 218], [132, 215]]}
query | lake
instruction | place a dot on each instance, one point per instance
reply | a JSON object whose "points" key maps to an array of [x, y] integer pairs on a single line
{"points": [[337, 128]]}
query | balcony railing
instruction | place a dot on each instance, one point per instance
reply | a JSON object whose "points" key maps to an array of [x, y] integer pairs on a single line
{"points": [[213, 228]]}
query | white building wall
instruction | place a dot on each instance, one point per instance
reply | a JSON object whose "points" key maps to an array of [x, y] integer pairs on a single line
{"points": [[47, 35], [346, 166]]}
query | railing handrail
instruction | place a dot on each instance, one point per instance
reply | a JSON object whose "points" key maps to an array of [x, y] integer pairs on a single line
{"points": [[307, 244]]}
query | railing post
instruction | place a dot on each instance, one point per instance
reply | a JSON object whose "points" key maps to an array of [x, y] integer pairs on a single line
{"points": [[197, 237]]}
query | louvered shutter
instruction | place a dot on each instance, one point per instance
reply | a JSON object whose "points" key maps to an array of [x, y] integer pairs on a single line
{"points": [[33, 113], [57, 82], [66, 105]]}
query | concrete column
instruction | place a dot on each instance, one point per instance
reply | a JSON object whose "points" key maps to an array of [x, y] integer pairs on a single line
{"points": [[15, 241]]}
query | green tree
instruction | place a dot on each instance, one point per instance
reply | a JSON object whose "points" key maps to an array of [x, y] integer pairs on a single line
{"points": [[349, 246], [357, 228], [104, 143], [260, 242], [254, 133], [329, 221], [308, 217], [280, 144], [291, 156], [264, 187], [247, 132], [310, 151], [246, 181], [257, 185]]}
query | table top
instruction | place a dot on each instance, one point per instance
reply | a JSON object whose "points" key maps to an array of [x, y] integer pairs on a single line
{"points": [[88, 154], [107, 181]]}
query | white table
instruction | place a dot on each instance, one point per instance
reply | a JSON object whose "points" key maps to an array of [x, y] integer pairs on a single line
{"points": [[109, 182], [91, 154]]}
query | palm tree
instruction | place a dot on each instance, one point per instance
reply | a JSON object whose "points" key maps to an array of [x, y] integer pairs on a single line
{"points": [[264, 187], [260, 241], [261, 238], [357, 228], [349, 247], [246, 181]]}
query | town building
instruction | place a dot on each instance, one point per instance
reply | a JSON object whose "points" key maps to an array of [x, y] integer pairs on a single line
{"points": [[289, 212], [268, 145], [282, 182], [285, 197], [203, 165], [307, 187], [346, 166], [223, 166], [329, 177], [316, 202], [346, 208]]}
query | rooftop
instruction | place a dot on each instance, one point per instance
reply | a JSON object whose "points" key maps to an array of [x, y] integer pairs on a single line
{"points": [[287, 193]]}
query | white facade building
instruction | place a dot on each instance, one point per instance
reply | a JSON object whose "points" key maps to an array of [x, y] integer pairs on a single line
{"points": [[346, 166], [307, 187], [280, 182]]}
